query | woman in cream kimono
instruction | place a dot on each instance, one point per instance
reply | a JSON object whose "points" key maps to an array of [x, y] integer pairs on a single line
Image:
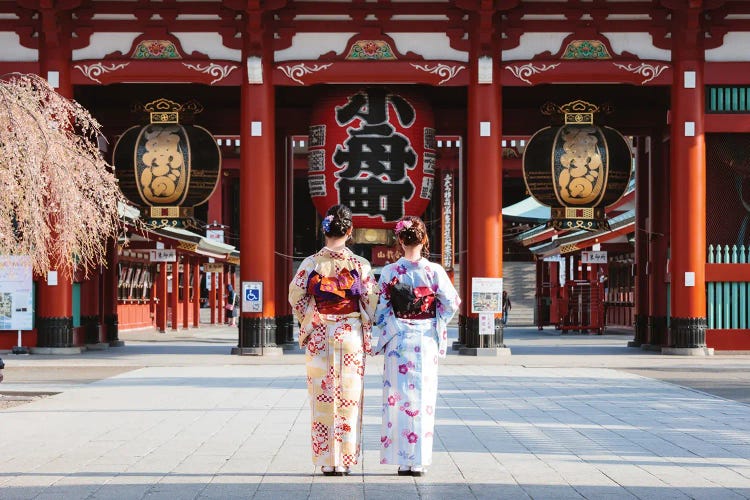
{"points": [[417, 301], [333, 296]]}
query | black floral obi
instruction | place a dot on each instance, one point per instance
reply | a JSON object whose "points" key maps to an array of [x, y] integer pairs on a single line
{"points": [[412, 302], [338, 294]]}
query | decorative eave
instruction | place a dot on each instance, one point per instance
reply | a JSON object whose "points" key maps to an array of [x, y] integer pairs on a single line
{"points": [[437, 73], [107, 71], [635, 72]]}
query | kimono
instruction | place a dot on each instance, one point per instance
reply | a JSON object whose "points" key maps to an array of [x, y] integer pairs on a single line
{"points": [[333, 296], [412, 342]]}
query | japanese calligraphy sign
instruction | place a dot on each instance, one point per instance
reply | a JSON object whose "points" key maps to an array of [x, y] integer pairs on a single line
{"points": [[372, 150]]}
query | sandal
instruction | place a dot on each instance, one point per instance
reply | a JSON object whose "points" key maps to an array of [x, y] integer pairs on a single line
{"points": [[404, 470], [343, 471], [418, 471], [327, 470]]}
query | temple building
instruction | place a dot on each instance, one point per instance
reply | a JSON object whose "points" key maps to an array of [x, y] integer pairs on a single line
{"points": [[277, 109]]}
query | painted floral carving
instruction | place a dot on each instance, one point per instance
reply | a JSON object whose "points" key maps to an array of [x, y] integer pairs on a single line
{"points": [[216, 70], [648, 71], [299, 70], [156, 49], [371, 50], [526, 70], [441, 70], [92, 71]]}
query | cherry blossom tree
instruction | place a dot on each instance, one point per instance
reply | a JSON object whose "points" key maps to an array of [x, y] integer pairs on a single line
{"points": [[58, 196]]}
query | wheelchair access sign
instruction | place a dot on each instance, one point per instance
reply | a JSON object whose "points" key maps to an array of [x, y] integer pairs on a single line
{"points": [[252, 296]]}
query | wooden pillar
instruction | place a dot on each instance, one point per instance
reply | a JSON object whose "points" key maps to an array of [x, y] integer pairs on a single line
{"points": [[174, 294], [212, 295], [484, 172], [257, 331], [109, 296], [185, 291], [220, 294], [284, 238], [54, 303], [90, 319], [688, 181], [463, 260], [161, 295], [195, 264], [659, 240], [641, 243]]}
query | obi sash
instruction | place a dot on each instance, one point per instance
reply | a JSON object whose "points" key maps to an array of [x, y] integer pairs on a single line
{"points": [[336, 295], [412, 302]]}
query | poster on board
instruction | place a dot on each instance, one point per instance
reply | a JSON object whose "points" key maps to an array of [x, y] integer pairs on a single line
{"points": [[16, 293]]}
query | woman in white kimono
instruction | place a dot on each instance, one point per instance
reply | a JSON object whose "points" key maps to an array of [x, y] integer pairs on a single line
{"points": [[417, 300], [333, 296]]}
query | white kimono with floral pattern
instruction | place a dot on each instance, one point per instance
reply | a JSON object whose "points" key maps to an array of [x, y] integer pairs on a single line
{"points": [[412, 348], [335, 356]]}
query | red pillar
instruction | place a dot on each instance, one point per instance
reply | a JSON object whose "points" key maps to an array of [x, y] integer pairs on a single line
{"points": [[484, 180], [109, 296], [688, 182], [212, 296], [173, 303], [659, 242], [90, 319], [257, 189], [220, 293], [284, 238], [161, 294], [185, 292], [195, 264], [641, 244], [54, 305]]}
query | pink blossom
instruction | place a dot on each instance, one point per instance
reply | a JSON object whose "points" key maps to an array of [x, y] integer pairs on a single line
{"points": [[412, 437], [402, 369], [391, 401], [383, 461], [429, 409]]}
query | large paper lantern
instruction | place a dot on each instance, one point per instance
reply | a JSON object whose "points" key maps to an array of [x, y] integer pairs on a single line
{"points": [[166, 166], [373, 150], [577, 168]]}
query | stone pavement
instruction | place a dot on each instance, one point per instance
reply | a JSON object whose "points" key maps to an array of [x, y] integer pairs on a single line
{"points": [[562, 417]]}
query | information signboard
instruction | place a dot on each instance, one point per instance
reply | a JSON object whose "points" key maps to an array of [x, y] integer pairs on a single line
{"points": [[486, 295], [16, 293]]}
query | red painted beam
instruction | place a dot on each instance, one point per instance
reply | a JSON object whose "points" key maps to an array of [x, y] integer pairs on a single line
{"points": [[727, 272], [728, 340]]}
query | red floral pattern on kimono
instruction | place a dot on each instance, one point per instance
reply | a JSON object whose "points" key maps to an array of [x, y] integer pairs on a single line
{"points": [[333, 296]]}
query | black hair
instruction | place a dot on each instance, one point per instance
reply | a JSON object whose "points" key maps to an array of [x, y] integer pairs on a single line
{"points": [[340, 223]]}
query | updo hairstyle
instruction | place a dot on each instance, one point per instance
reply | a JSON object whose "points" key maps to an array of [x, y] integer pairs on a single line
{"points": [[414, 234], [339, 223]]}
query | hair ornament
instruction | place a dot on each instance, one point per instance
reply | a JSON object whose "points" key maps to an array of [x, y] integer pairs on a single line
{"points": [[327, 223], [402, 224]]}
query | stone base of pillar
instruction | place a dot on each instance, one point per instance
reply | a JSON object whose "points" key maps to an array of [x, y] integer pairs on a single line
{"points": [[651, 347], [688, 351], [110, 322], [688, 332], [657, 330], [476, 341], [257, 337], [99, 346], [65, 351], [482, 352], [456, 345], [54, 332], [258, 351], [640, 328]]}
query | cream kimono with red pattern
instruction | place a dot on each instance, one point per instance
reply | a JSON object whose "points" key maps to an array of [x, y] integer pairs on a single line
{"points": [[335, 353]]}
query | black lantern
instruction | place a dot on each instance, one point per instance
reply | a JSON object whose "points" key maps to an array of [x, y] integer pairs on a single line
{"points": [[168, 166], [577, 168]]}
